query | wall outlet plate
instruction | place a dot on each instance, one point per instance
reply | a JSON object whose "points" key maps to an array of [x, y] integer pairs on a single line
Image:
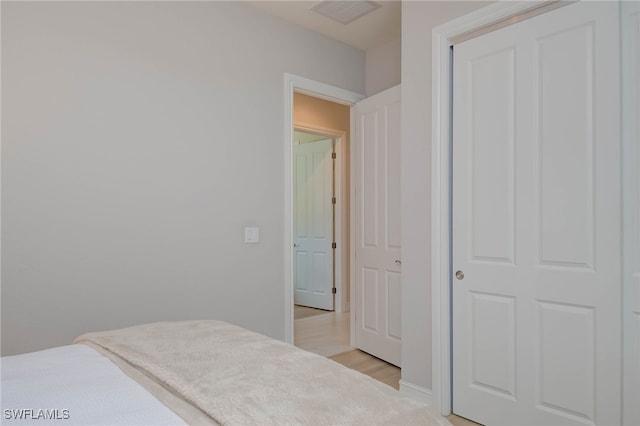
{"points": [[251, 234]]}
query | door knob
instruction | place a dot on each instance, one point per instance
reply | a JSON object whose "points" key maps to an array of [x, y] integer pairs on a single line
{"points": [[295, 245], [398, 262], [459, 275]]}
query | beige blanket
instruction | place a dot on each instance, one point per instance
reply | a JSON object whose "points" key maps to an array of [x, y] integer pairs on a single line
{"points": [[238, 377]]}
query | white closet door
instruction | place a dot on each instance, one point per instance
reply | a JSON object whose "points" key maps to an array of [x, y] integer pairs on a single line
{"points": [[536, 221], [377, 225]]}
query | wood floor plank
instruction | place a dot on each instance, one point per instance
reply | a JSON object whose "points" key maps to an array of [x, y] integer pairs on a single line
{"points": [[300, 312], [460, 421], [326, 334], [371, 366]]}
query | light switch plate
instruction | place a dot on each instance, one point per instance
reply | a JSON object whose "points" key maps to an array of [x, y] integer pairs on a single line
{"points": [[251, 234]]}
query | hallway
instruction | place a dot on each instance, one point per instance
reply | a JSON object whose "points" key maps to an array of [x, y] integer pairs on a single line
{"points": [[325, 333]]}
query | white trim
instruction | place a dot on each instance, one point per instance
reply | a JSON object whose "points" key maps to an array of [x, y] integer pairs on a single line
{"points": [[340, 183], [416, 392], [352, 233], [489, 15], [293, 83], [440, 189], [630, 30], [440, 226], [323, 91], [0, 159]]}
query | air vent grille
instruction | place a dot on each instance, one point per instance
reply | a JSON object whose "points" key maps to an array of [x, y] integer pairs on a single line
{"points": [[345, 12]]}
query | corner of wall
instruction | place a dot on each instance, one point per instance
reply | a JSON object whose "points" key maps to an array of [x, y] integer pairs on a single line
{"points": [[416, 392], [383, 67]]}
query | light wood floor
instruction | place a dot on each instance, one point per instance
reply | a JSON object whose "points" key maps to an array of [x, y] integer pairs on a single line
{"points": [[460, 421], [371, 366], [301, 312], [327, 334]]}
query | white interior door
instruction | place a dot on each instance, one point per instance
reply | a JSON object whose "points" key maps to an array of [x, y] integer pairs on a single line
{"points": [[313, 224], [376, 150], [536, 221]]}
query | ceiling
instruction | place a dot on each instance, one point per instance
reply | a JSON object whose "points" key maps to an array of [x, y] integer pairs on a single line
{"points": [[372, 30]]}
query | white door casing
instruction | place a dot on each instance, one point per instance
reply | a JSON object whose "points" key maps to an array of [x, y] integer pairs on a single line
{"points": [[294, 83], [313, 225], [377, 248], [630, 21], [536, 221]]}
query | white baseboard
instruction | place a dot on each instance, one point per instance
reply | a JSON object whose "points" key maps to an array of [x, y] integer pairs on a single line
{"points": [[416, 392]]}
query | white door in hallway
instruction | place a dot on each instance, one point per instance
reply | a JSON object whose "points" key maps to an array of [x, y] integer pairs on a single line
{"points": [[313, 224], [376, 182], [536, 221]]}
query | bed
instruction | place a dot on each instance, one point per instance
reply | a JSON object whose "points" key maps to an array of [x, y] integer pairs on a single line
{"points": [[195, 372]]}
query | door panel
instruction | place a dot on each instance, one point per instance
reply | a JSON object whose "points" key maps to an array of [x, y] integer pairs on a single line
{"points": [[377, 225], [491, 151], [567, 359], [493, 341], [536, 228], [313, 224], [564, 98]]}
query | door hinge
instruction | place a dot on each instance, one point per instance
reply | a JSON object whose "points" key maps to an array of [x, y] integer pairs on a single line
{"points": [[333, 200], [334, 245], [333, 290], [333, 155]]}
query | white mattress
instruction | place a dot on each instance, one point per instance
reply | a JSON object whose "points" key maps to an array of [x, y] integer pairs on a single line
{"points": [[78, 386]]}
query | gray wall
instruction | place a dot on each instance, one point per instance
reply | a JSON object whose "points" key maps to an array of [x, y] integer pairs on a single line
{"points": [[418, 20], [383, 64], [138, 140]]}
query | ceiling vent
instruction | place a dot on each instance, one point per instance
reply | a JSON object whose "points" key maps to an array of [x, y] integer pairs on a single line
{"points": [[345, 12]]}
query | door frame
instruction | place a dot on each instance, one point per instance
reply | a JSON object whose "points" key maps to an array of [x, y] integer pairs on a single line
{"points": [[630, 26], [339, 174], [469, 26], [296, 84]]}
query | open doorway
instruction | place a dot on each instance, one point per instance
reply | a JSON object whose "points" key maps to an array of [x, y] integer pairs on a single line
{"points": [[320, 216], [375, 126], [295, 86]]}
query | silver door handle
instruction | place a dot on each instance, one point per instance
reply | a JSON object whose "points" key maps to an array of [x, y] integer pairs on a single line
{"points": [[459, 275], [295, 245], [398, 262]]}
